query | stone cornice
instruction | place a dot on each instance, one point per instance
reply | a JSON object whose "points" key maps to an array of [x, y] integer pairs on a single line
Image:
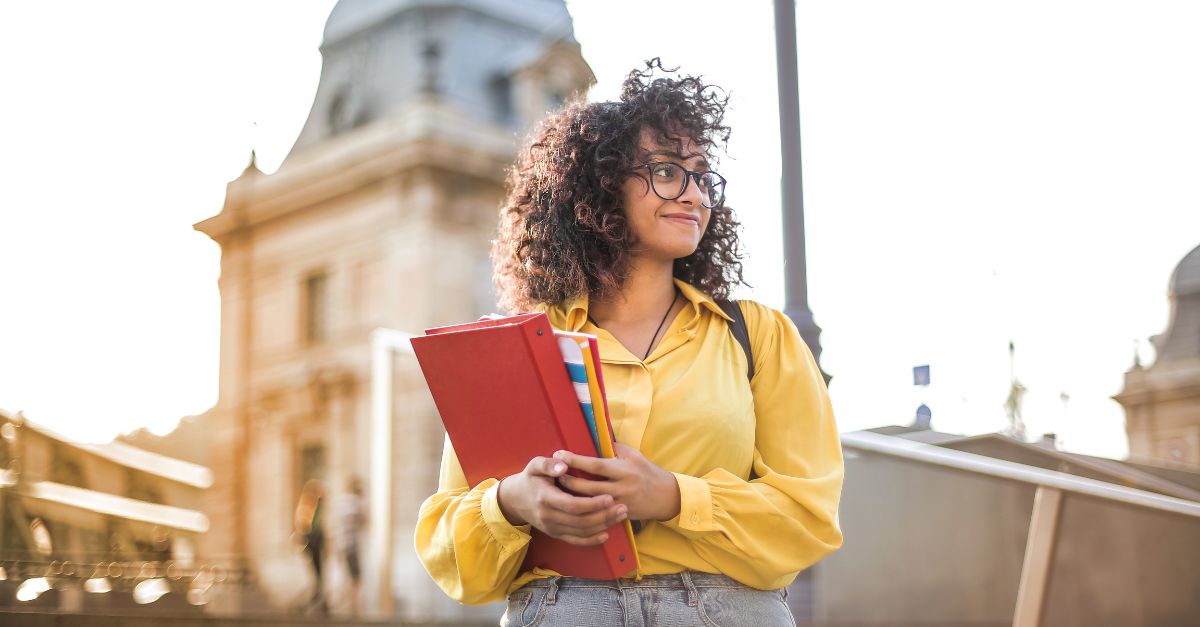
{"points": [[1159, 391], [426, 134], [1168, 380]]}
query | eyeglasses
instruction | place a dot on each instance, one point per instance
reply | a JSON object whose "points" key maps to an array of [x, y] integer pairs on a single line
{"points": [[670, 180]]}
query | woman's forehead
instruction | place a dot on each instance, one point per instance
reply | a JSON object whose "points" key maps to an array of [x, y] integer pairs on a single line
{"points": [[681, 148]]}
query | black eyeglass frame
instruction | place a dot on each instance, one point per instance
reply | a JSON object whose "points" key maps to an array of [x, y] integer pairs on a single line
{"points": [[689, 175]]}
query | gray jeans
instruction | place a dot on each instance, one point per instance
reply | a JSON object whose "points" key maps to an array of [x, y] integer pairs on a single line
{"points": [[681, 600]]}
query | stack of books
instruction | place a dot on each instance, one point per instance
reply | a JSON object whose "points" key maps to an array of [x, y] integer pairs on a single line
{"points": [[511, 389]]}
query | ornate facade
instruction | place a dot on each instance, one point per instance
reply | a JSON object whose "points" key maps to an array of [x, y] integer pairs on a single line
{"points": [[381, 216], [1162, 401]]}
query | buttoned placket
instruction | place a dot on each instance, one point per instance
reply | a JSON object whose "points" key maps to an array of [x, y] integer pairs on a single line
{"points": [[630, 426]]}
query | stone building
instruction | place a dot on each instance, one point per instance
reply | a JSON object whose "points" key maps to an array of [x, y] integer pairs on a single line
{"points": [[1162, 401], [381, 216], [94, 527]]}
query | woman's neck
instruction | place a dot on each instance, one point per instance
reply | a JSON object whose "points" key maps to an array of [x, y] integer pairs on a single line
{"points": [[648, 290]]}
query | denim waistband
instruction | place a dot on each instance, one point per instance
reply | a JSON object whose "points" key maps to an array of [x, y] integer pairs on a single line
{"points": [[686, 579]]}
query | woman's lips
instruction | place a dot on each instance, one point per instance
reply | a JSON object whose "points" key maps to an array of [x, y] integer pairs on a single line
{"points": [[683, 218]]}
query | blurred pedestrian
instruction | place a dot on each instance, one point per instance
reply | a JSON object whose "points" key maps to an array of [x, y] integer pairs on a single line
{"points": [[352, 520], [309, 525]]}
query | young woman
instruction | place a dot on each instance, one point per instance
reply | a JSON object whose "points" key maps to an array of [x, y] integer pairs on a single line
{"points": [[615, 225]]}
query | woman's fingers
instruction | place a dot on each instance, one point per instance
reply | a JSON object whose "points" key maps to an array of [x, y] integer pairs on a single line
{"points": [[546, 467], [591, 540], [558, 524], [522, 496], [595, 521], [560, 512], [587, 487], [581, 519], [554, 499], [624, 451], [608, 468], [559, 530]]}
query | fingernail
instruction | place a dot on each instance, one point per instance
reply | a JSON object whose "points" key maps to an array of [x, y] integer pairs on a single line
{"points": [[560, 467], [603, 537], [558, 454]]}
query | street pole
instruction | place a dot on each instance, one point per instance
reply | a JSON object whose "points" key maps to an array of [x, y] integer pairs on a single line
{"points": [[795, 266]]}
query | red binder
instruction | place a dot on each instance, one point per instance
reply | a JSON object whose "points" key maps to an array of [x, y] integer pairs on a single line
{"points": [[505, 397]]}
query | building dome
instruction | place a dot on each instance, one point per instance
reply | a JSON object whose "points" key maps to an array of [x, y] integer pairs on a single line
{"points": [[380, 56], [349, 17], [1181, 341], [1186, 278]]}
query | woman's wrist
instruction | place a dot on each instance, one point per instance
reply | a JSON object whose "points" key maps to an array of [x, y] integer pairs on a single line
{"points": [[510, 514], [670, 497]]}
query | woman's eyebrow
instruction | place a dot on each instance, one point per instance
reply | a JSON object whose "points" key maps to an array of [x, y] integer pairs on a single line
{"points": [[703, 163]]}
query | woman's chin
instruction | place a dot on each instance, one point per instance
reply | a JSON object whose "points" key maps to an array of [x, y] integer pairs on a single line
{"points": [[680, 252], [666, 251], [684, 250]]}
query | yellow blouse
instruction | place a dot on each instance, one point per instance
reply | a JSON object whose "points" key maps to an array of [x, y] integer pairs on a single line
{"points": [[760, 474]]}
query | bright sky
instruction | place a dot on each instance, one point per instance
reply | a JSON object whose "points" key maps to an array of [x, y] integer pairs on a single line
{"points": [[974, 173]]}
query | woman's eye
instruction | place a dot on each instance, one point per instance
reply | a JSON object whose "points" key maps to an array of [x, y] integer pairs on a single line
{"points": [[664, 171]]}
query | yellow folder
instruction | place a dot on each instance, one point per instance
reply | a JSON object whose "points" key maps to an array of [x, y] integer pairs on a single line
{"points": [[600, 407]]}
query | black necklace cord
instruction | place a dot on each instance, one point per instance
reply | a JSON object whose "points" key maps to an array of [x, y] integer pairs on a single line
{"points": [[674, 298], [656, 331]]}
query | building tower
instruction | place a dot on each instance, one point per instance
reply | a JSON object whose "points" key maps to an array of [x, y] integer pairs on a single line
{"points": [[381, 216], [1162, 401]]}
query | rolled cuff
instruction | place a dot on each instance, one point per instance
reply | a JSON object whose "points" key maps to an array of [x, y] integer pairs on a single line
{"points": [[695, 505], [511, 538]]}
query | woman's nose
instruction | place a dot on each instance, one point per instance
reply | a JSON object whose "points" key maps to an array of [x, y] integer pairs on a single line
{"points": [[691, 192]]}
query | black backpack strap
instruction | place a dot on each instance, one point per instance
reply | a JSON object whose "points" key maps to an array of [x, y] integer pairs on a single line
{"points": [[740, 331]]}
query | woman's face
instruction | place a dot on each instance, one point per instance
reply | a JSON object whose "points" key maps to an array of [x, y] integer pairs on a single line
{"points": [[665, 229]]}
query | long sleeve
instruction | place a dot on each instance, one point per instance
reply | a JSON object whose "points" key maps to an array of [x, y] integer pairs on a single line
{"points": [[764, 530], [463, 539]]}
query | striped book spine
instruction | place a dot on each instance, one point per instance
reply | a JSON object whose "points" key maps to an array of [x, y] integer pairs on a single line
{"points": [[573, 358]]}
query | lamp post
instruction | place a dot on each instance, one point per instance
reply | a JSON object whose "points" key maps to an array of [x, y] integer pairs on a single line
{"points": [[795, 268]]}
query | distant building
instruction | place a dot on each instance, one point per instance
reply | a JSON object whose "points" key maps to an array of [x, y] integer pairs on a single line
{"points": [[381, 216], [187, 441], [1162, 401], [989, 530], [111, 513]]}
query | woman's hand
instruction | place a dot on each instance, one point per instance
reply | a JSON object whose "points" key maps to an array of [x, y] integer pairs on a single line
{"points": [[532, 497], [649, 492]]}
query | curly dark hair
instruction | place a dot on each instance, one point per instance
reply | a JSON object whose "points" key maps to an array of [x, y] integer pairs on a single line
{"points": [[563, 231]]}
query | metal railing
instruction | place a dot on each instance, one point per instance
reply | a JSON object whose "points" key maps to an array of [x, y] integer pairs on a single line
{"points": [[981, 464], [1047, 504]]}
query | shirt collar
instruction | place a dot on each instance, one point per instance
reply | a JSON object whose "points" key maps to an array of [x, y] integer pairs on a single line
{"points": [[572, 314], [699, 299]]}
